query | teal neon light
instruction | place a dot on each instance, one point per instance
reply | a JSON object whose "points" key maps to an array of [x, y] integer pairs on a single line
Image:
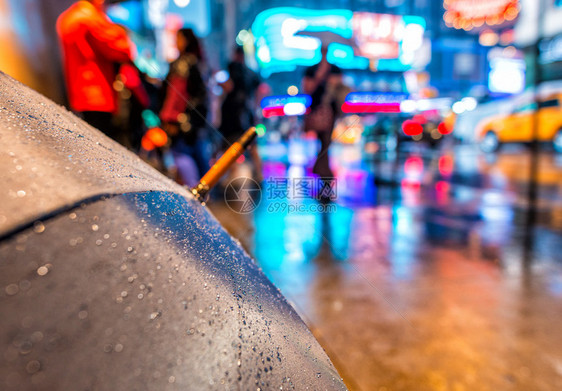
{"points": [[280, 49]]}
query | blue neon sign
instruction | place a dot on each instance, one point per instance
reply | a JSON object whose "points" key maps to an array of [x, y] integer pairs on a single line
{"points": [[282, 100]]}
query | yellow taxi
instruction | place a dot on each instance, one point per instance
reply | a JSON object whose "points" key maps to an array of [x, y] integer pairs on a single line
{"points": [[517, 126]]}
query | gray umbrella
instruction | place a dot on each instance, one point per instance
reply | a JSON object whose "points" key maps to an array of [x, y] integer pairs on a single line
{"points": [[112, 277]]}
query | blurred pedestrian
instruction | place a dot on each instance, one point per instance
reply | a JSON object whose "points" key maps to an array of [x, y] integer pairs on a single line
{"points": [[236, 111], [91, 46], [184, 107], [321, 82], [134, 97]]}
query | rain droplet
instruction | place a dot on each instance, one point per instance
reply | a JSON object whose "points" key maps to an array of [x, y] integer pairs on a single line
{"points": [[33, 366], [37, 336], [95, 227], [129, 249], [118, 348], [99, 242], [21, 193], [82, 315], [38, 227], [171, 379], [124, 294], [12, 289], [24, 285], [43, 270], [26, 347], [154, 315]]}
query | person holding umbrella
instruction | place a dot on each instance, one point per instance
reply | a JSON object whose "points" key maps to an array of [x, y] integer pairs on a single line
{"points": [[321, 82]]}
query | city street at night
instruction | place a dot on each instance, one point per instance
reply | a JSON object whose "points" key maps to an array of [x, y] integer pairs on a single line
{"points": [[257, 195]]}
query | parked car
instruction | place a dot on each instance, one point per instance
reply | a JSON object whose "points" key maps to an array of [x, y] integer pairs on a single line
{"points": [[517, 126], [112, 277]]}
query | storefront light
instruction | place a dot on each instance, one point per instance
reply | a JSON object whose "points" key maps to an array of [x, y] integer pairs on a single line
{"points": [[488, 38], [182, 3], [469, 103]]}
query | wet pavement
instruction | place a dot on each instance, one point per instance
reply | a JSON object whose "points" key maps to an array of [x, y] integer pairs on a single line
{"points": [[420, 276]]}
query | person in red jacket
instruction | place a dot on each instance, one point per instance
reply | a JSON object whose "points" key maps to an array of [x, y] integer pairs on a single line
{"points": [[92, 46]]}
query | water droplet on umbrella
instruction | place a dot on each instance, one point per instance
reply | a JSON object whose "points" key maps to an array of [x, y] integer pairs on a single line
{"points": [[12, 289], [26, 347], [39, 227], [43, 270], [155, 315], [33, 366]]}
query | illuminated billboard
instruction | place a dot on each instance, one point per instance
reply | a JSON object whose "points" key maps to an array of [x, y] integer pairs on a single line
{"points": [[379, 41], [469, 14]]}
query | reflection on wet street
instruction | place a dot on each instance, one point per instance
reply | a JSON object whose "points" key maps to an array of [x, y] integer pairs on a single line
{"points": [[417, 278]]}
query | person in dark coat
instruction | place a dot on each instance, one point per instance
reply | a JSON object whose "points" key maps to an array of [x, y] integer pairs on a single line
{"points": [[236, 110]]}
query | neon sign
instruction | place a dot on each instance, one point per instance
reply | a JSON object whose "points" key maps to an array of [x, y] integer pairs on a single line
{"points": [[369, 102], [381, 36], [281, 105], [468, 14], [391, 42]]}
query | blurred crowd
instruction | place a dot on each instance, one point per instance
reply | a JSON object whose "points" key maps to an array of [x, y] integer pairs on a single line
{"points": [[165, 121]]}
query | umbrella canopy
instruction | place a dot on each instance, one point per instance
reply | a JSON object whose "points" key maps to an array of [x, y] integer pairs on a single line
{"points": [[112, 277]]}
